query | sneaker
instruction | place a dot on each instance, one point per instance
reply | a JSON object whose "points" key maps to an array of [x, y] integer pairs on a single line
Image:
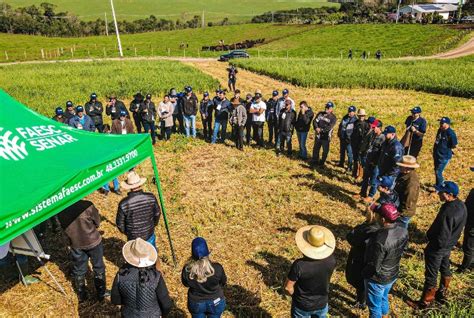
{"points": [[357, 197], [106, 192], [368, 199], [118, 192], [30, 280]]}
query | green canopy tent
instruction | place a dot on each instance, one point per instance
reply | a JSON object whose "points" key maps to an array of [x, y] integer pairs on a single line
{"points": [[46, 166]]}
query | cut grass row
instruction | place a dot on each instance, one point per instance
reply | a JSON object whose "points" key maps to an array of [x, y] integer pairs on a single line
{"points": [[280, 41], [447, 77], [45, 86]]}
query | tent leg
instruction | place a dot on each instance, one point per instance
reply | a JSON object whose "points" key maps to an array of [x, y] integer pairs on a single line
{"points": [[43, 264], [22, 277], [162, 203]]}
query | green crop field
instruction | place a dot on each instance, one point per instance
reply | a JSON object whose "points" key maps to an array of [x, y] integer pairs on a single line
{"points": [[41, 86], [214, 10], [448, 77]]}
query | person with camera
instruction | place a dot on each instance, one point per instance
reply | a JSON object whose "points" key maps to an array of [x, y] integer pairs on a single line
{"points": [[223, 108], [323, 124], [94, 110], [303, 123], [165, 111], [147, 112], [115, 107], [189, 104], [415, 131], [135, 106]]}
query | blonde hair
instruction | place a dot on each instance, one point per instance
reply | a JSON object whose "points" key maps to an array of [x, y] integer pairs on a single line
{"points": [[200, 270]]}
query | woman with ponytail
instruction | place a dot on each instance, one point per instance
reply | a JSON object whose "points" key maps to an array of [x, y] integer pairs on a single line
{"points": [[205, 280]]}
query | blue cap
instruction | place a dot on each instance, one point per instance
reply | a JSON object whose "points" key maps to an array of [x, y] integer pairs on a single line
{"points": [[416, 110], [199, 248], [188, 89], [351, 109], [79, 109], [389, 130], [285, 91], [329, 104], [69, 104], [123, 113], [371, 119], [445, 120], [59, 111], [93, 96], [448, 187], [385, 182], [275, 93], [206, 94]]}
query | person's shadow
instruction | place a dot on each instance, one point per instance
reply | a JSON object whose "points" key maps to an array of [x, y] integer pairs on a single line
{"points": [[274, 272], [243, 303]]}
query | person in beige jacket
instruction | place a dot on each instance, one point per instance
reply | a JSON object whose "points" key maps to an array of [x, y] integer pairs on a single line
{"points": [[165, 112], [238, 120]]}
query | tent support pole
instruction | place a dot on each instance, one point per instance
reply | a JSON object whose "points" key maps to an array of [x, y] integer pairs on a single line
{"points": [[162, 203]]}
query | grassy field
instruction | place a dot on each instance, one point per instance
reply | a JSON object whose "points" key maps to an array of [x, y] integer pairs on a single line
{"points": [[280, 41], [249, 205], [42, 87], [448, 77], [214, 10]]}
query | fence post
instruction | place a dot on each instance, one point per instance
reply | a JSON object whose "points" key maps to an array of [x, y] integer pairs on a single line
{"points": [[152, 53], [42, 54], [59, 52], [105, 52], [88, 53], [24, 53], [6, 55], [72, 52], [169, 52], [184, 52], [135, 51]]}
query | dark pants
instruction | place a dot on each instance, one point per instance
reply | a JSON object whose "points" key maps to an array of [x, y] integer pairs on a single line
{"points": [[468, 248], [371, 172], [178, 127], [345, 147], [318, 143], [436, 260], [232, 84], [238, 136], [285, 138], [98, 123], [138, 122], [272, 131], [207, 127], [165, 132], [150, 127], [415, 148], [258, 132], [248, 132], [81, 257]]}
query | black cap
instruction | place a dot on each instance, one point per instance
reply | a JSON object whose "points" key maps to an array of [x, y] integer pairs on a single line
{"points": [[148, 96]]}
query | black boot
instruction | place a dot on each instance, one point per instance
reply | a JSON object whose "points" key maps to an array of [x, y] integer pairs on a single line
{"points": [[80, 284], [100, 287]]}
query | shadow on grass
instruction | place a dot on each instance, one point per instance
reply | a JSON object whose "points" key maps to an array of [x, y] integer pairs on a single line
{"points": [[243, 303], [274, 272]]}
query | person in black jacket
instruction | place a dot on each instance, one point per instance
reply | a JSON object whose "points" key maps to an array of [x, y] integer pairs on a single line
{"points": [[114, 107], [442, 236], [223, 109], [286, 125], [59, 116], [361, 129], [206, 108], [205, 280], [138, 214], [358, 238], [468, 241], [70, 112], [302, 125], [346, 127], [94, 110], [135, 106], [147, 112], [271, 117], [139, 287], [323, 124], [391, 154], [189, 108], [248, 124], [382, 259]]}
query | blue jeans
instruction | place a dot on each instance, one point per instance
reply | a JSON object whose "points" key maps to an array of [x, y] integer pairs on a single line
{"points": [[439, 167], [152, 241], [377, 298], [346, 147], [284, 138], [150, 127], [209, 308], [370, 177], [217, 126], [106, 187], [404, 221], [320, 313], [302, 136], [190, 122]]}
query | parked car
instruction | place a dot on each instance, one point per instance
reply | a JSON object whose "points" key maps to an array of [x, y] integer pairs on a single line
{"points": [[468, 19], [234, 55]]}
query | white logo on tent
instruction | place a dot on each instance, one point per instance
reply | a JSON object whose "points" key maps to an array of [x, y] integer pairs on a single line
{"points": [[11, 147]]}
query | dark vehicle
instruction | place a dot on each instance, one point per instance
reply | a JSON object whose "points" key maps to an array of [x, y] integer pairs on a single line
{"points": [[234, 55]]}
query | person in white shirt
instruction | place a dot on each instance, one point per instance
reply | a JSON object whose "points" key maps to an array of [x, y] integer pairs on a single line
{"points": [[257, 109]]}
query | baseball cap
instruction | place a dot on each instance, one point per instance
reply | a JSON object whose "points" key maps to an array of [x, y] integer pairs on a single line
{"points": [[416, 110], [148, 96], [285, 91], [389, 130], [258, 95], [371, 120], [188, 89], [237, 91], [445, 120], [206, 94], [448, 187], [199, 248], [275, 93], [69, 104], [351, 109], [79, 109], [384, 181], [93, 96], [329, 104], [59, 111], [123, 113], [376, 123], [388, 211]]}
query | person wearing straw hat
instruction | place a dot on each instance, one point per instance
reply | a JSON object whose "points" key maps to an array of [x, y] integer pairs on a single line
{"points": [[309, 277], [415, 131], [205, 280], [383, 254], [138, 214], [361, 129], [408, 188], [139, 287]]}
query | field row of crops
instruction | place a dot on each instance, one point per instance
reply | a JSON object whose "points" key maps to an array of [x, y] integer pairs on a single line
{"points": [[448, 77], [43, 87], [280, 41]]}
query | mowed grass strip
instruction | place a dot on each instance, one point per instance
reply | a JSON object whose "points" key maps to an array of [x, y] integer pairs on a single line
{"points": [[448, 77]]}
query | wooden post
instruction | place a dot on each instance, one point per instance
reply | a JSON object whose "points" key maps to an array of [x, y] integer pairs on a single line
{"points": [[135, 51], [88, 53], [42, 54], [72, 52], [6, 55], [105, 52], [169, 52], [152, 53], [24, 53], [184, 52]]}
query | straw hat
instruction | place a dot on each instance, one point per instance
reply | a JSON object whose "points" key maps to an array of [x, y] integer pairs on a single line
{"points": [[408, 162], [315, 241], [133, 181], [139, 253], [361, 112]]}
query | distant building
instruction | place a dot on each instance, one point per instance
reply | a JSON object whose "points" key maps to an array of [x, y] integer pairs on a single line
{"points": [[418, 11]]}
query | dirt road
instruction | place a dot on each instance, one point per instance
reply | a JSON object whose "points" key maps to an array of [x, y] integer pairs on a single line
{"points": [[463, 50]]}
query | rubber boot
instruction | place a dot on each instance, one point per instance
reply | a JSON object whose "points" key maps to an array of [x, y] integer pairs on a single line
{"points": [[80, 285], [427, 298], [100, 286], [442, 292]]}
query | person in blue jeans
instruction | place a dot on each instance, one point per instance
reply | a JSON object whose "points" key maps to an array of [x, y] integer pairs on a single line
{"points": [[446, 141], [303, 123], [106, 187], [309, 277], [383, 254], [223, 108], [205, 280], [189, 104]]}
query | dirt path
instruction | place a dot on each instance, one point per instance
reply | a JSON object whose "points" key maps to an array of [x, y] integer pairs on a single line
{"points": [[463, 50]]}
